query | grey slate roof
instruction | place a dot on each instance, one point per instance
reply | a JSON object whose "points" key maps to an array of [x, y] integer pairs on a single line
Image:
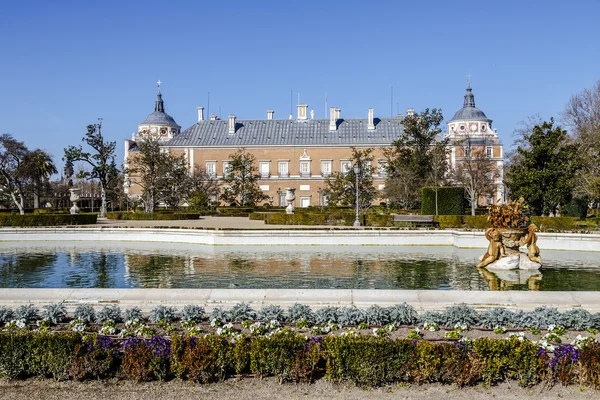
{"points": [[160, 118], [310, 132], [470, 114]]}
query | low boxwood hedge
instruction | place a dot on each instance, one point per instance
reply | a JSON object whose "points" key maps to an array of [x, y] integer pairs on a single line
{"points": [[365, 361], [47, 219], [162, 216], [326, 218]]}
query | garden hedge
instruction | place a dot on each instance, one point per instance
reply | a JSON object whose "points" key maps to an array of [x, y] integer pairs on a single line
{"points": [[451, 201], [366, 361], [47, 219], [161, 216], [326, 218]]}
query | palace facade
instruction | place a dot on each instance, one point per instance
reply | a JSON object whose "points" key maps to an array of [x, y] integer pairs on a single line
{"points": [[302, 152]]}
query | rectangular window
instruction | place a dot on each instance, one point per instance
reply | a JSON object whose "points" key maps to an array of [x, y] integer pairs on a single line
{"points": [[304, 168], [282, 202], [211, 168], [345, 166], [226, 168], [382, 168], [488, 151], [326, 167], [264, 169], [467, 151], [304, 202], [283, 169]]}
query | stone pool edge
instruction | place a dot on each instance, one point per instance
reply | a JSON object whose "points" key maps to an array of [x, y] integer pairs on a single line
{"points": [[317, 237], [421, 300]]}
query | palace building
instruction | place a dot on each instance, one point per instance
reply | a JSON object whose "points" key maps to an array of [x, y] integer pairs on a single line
{"points": [[302, 152]]}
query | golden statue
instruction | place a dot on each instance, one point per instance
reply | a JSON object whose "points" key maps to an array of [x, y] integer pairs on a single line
{"points": [[495, 249], [533, 251]]}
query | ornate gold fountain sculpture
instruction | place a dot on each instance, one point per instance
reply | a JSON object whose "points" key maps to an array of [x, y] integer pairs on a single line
{"points": [[510, 230]]}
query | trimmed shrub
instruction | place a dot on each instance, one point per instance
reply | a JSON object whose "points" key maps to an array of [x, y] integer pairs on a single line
{"points": [[145, 360], [476, 221], [203, 359], [557, 224], [158, 216], [450, 201], [94, 358], [448, 221], [257, 216], [47, 219], [577, 207], [234, 211]]}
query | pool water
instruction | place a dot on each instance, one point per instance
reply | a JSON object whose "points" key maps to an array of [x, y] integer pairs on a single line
{"points": [[162, 265]]}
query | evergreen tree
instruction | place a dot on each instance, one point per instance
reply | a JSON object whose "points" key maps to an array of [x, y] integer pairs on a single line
{"points": [[544, 170], [412, 161]]}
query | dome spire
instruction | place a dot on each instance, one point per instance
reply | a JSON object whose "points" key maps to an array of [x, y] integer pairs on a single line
{"points": [[469, 98], [159, 105]]}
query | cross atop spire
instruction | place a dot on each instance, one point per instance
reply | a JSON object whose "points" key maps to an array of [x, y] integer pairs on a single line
{"points": [[468, 80], [159, 105]]}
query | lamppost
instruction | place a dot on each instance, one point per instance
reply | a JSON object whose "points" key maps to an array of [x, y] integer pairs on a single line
{"points": [[320, 192], [356, 172]]}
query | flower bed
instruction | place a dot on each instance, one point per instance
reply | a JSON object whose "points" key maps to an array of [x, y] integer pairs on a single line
{"points": [[371, 347]]}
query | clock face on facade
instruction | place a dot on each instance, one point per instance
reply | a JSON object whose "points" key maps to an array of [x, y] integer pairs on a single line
{"points": [[152, 130], [473, 127]]}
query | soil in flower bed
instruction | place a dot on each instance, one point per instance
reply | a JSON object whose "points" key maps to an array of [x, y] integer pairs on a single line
{"points": [[402, 332]]}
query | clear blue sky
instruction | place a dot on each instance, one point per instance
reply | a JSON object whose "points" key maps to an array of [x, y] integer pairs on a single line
{"points": [[66, 63]]}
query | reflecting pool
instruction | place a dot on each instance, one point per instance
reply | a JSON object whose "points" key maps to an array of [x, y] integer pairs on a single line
{"points": [[162, 265]]}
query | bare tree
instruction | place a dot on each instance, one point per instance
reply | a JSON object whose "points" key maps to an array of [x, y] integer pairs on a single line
{"points": [[582, 117], [14, 177], [205, 187], [476, 172]]}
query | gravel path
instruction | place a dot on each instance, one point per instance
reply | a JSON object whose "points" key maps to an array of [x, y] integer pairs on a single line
{"points": [[253, 389]]}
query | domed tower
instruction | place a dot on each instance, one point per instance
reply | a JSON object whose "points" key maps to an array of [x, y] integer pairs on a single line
{"points": [[473, 140], [469, 120], [159, 123]]}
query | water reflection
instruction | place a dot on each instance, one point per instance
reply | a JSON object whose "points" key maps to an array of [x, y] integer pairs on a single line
{"points": [[151, 265]]}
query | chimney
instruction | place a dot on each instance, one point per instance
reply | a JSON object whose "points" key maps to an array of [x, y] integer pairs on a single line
{"points": [[213, 117], [410, 112], [332, 119], [337, 113], [371, 124], [231, 123], [200, 113], [270, 114], [302, 108]]}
